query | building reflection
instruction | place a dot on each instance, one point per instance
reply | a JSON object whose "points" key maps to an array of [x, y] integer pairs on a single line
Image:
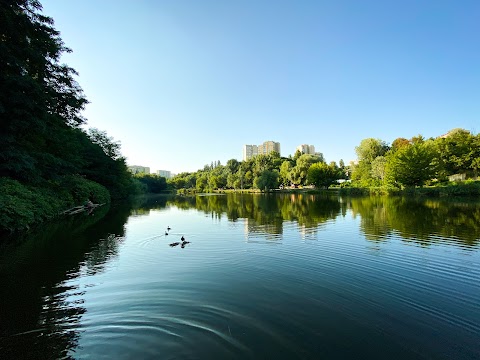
{"points": [[421, 221]]}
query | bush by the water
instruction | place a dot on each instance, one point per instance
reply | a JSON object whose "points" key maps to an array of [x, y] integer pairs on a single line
{"points": [[467, 188], [24, 205]]}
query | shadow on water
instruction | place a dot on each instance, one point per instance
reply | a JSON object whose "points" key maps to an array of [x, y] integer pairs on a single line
{"points": [[36, 320]]}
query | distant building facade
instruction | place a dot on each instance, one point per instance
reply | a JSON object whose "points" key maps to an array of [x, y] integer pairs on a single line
{"points": [[136, 169], [306, 149], [165, 173], [249, 151], [266, 148]]}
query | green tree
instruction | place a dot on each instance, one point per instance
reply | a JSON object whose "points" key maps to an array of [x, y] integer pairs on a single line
{"points": [[191, 181], [475, 165], [370, 148], [297, 154], [285, 170], [378, 168], [154, 183], [262, 163], [233, 165], [412, 165], [39, 97], [233, 181], [202, 182], [458, 152], [298, 174], [266, 180], [322, 175], [110, 147]]}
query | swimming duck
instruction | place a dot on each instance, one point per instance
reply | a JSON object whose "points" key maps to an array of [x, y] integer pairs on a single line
{"points": [[174, 244], [168, 228], [166, 233], [182, 238]]}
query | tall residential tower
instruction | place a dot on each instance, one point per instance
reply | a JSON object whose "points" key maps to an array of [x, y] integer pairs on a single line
{"points": [[266, 148], [306, 149]]}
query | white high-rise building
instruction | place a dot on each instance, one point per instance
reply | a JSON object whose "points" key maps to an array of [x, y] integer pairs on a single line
{"points": [[269, 146], [306, 149], [249, 151], [165, 173], [266, 148], [136, 169]]}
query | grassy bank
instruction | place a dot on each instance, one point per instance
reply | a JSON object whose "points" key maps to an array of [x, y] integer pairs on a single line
{"points": [[465, 189], [462, 189], [24, 206]]}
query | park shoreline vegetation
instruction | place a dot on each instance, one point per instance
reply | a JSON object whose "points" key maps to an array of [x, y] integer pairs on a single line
{"points": [[444, 166], [48, 162], [467, 188]]}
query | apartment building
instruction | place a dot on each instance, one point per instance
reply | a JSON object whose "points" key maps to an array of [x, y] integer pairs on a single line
{"points": [[266, 148], [165, 173], [136, 169], [306, 149], [249, 151]]}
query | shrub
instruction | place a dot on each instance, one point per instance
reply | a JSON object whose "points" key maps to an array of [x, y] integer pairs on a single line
{"points": [[24, 206]]}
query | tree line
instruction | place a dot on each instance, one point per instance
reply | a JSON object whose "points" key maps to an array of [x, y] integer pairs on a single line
{"points": [[403, 164], [263, 172], [417, 161]]}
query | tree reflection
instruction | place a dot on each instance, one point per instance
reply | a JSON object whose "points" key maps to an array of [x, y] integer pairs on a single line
{"points": [[266, 213], [422, 221], [41, 307]]}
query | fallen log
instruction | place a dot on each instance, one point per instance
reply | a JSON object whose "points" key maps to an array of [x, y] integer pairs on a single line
{"points": [[79, 209]]}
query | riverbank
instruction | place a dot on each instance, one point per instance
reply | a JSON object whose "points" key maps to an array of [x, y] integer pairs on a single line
{"points": [[461, 189], [24, 206]]}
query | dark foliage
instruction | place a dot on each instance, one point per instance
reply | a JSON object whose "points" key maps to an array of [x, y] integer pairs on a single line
{"points": [[41, 142]]}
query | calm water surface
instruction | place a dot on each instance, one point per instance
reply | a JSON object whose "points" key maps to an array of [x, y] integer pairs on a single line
{"points": [[263, 277]]}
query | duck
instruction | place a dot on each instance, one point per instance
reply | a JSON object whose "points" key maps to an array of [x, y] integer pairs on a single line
{"points": [[166, 233], [182, 238], [169, 228], [174, 244]]}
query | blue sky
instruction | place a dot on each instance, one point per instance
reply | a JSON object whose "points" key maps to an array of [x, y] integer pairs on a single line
{"points": [[183, 83]]}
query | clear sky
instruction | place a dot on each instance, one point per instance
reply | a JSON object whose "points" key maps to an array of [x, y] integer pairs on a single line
{"points": [[182, 83]]}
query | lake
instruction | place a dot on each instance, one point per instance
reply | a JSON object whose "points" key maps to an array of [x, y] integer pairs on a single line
{"points": [[292, 276]]}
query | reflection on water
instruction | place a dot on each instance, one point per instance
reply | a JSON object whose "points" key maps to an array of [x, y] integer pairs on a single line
{"points": [[40, 311], [265, 276], [422, 221]]}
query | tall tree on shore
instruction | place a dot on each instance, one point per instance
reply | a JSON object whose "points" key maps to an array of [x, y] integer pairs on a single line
{"points": [[38, 94], [458, 152], [412, 165], [41, 108], [368, 150], [322, 175]]}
